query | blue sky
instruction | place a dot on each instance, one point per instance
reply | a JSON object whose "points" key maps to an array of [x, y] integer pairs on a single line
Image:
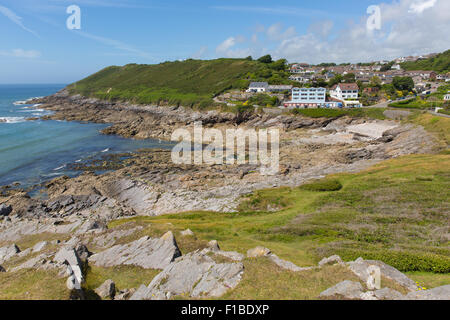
{"points": [[36, 46]]}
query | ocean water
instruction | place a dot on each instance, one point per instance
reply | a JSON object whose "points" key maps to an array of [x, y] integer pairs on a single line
{"points": [[32, 152]]}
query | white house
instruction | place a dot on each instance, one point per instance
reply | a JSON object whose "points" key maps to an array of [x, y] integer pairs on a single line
{"points": [[345, 91], [258, 87], [307, 98], [447, 97]]}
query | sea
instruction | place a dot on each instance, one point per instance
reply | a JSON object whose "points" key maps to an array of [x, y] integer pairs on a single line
{"points": [[32, 152]]}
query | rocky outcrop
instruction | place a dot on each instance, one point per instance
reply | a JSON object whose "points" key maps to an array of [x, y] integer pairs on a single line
{"points": [[106, 290], [360, 268], [346, 289], [439, 293], [193, 275], [8, 252], [287, 265], [148, 253], [74, 271]]}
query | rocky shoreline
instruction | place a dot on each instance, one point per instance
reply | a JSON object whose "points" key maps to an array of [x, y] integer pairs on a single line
{"points": [[77, 210], [309, 149]]}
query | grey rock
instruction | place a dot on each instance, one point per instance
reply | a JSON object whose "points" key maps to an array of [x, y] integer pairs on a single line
{"points": [[107, 289], [148, 253], [287, 265], [125, 294], [214, 245], [233, 255], [187, 232], [39, 246], [388, 294], [8, 252], [335, 259], [258, 252], [93, 226], [195, 275], [70, 258], [5, 210], [360, 268], [41, 261], [346, 289], [439, 293]]}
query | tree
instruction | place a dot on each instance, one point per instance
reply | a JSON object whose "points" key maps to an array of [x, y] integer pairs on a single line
{"points": [[279, 65], [375, 82], [266, 59], [349, 78], [403, 83], [337, 79], [249, 58]]}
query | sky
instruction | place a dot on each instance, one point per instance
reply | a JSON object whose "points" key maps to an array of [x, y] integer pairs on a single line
{"points": [[36, 46]]}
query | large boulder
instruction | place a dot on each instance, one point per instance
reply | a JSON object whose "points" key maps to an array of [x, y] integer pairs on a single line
{"points": [[360, 267], [387, 294], [193, 275], [2, 269], [148, 253], [106, 290], [346, 289], [74, 265], [5, 210], [8, 252], [439, 293]]}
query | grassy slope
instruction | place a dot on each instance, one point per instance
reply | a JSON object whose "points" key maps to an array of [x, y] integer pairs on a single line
{"points": [[440, 63], [181, 82]]}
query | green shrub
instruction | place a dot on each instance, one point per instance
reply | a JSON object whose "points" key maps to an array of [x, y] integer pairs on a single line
{"points": [[404, 261], [323, 185]]}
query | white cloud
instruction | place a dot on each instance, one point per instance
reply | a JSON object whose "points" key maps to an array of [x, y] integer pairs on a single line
{"points": [[421, 6], [403, 33], [15, 18], [276, 33], [226, 45], [20, 53]]}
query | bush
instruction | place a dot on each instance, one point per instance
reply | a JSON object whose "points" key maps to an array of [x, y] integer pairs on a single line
{"points": [[323, 185], [405, 261]]}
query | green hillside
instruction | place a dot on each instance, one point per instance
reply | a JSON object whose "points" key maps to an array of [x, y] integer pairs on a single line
{"points": [[189, 83], [439, 63]]}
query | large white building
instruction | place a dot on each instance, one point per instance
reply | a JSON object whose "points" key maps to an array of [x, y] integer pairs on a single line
{"points": [[345, 91], [307, 98]]}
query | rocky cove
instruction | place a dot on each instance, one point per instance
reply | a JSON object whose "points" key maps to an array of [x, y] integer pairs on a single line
{"points": [[147, 183]]}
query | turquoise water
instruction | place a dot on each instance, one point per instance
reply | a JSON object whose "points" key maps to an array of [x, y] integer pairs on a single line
{"points": [[32, 152]]}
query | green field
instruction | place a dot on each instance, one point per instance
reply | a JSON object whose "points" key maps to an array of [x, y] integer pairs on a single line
{"points": [[189, 83]]}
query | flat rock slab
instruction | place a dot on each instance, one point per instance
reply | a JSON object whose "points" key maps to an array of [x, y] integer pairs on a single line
{"points": [[148, 253], [194, 275], [360, 268], [8, 252], [439, 293], [287, 265], [346, 289]]}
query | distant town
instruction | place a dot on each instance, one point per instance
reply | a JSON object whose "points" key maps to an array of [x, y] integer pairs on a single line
{"points": [[350, 85]]}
